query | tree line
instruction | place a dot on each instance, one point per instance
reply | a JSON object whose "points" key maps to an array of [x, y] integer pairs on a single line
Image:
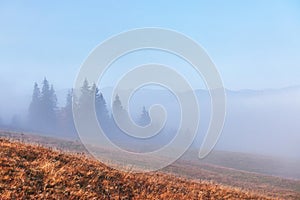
{"points": [[45, 116]]}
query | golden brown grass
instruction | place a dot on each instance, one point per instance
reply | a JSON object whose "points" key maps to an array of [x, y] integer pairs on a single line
{"points": [[34, 172]]}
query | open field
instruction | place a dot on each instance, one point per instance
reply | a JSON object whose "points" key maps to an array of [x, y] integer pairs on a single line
{"points": [[35, 172], [185, 171]]}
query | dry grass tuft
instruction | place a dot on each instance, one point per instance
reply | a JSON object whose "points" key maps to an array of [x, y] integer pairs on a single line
{"points": [[34, 172]]}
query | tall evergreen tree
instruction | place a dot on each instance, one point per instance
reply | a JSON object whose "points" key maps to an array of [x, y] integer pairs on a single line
{"points": [[101, 108], [119, 112], [85, 96], [117, 105], [69, 100], [144, 118], [67, 120], [34, 108], [48, 107], [85, 89], [53, 98]]}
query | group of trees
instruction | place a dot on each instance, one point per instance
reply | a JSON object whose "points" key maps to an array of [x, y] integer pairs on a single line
{"points": [[43, 108], [45, 116]]}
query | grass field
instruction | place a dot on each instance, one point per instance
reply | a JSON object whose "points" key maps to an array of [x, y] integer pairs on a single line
{"points": [[35, 172], [62, 171]]}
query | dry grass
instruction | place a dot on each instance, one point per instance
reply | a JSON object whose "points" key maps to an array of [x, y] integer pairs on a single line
{"points": [[34, 172], [268, 185]]}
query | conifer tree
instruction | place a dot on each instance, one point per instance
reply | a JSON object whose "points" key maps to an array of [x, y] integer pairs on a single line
{"points": [[101, 108], [144, 118], [34, 108], [85, 96], [118, 112], [48, 107], [67, 120]]}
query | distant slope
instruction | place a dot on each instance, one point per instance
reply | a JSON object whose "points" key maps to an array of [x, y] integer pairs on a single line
{"points": [[262, 164], [34, 172], [272, 186]]}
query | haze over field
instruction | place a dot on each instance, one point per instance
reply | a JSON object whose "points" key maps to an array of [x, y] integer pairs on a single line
{"points": [[260, 122], [249, 49]]}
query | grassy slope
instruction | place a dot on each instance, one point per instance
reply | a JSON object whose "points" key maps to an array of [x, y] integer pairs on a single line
{"points": [[34, 172], [271, 186], [242, 170], [226, 168]]}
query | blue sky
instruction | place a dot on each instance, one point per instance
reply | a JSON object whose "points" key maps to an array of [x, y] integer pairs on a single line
{"points": [[255, 44]]}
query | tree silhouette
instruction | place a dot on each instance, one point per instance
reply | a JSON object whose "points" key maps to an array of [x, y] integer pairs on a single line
{"points": [[85, 95], [53, 99], [34, 108], [43, 108], [66, 115], [48, 107], [144, 118], [118, 112], [85, 100], [117, 106], [69, 100], [101, 108]]}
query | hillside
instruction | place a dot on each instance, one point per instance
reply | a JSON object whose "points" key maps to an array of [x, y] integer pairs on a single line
{"points": [[34, 172]]}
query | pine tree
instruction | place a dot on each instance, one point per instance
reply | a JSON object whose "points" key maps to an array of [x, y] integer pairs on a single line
{"points": [[53, 98], [119, 112], [48, 107], [67, 120], [117, 105], [34, 108], [144, 118], [85, 96], [69, 100], [85, 89], [101, 108], [45, 100]]}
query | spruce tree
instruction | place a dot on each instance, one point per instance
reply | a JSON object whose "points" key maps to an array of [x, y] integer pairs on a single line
{"points": [[34, 108], [68, 125], [85, 96], [53, 99], [69, 100], [120, 113], [117, 106], [101, 108], [144, 118], [48, 107]]}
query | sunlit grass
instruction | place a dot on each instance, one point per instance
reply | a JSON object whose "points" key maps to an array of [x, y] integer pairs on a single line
{"points": [[34, 172]]}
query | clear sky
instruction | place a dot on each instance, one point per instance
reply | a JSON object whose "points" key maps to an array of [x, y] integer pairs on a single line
{"points": [[255, 44]]}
